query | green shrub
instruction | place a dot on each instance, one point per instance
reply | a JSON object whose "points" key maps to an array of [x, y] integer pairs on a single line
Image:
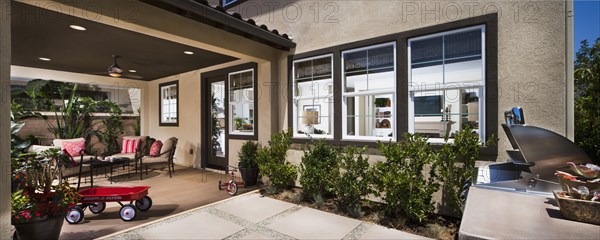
{"points": [[272, 163], [354, 182], [319, 169], [456, 166], [400, 180], [247, 155], [587, 99]]}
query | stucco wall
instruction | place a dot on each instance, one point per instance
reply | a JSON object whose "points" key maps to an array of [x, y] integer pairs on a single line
{"points": [[189, 132], [531, 43], [5, 55]]}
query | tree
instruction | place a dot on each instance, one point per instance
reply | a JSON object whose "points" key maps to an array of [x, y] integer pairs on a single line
{"points": [[587, 99]]}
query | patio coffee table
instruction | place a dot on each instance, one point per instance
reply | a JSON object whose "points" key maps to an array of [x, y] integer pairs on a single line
{"points": [[96, 163]]}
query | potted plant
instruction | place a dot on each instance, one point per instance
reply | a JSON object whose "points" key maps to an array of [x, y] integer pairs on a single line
{"points": [[248, 165], [580, 198], [237, 123], [42, 197]]}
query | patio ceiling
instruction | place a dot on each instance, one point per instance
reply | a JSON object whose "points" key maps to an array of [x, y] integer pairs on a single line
{"points": [[40, 33]]}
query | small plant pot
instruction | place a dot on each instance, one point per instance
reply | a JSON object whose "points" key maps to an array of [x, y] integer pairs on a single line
{"points": [[249, 175], [40, 228], [578, 210]]}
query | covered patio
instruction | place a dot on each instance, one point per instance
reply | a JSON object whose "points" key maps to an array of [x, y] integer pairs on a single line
{"points": [[153, 43], [191, 188]]}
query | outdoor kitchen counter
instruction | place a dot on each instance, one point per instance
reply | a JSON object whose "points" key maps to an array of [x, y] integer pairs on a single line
{"points": [[497, 214]]}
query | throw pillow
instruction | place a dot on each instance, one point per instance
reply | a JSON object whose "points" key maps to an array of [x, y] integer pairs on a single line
{"points": [[74, 147], [129, 145], [155, 149]]}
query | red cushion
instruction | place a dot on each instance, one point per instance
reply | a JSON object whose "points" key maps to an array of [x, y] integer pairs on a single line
{"points": [[73, 147], [130, 145], [155, 149]]}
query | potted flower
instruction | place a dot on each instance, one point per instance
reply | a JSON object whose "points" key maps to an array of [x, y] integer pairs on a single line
{"points": [[248, 165], [42, 197]]}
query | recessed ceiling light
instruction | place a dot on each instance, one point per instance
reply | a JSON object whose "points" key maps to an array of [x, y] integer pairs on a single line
{"points": [[132, 70], [189, 52], [77, 27], [44, 59]]}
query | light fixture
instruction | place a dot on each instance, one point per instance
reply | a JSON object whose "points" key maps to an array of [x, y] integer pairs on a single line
{"points": [[311, 118], [132, 70], [44, 59], [77, 27], [114, 70], [189, 52]]}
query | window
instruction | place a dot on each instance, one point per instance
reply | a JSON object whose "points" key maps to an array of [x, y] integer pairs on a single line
{"points": [[313, 97], [447, 82], [369, 93], [169, 107], [241, 102]]}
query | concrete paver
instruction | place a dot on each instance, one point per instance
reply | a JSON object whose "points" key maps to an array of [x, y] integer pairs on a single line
{"points": [[251, 216], [308, 223], [262, 208], [257, 235], [197, 226], [379, 232]]}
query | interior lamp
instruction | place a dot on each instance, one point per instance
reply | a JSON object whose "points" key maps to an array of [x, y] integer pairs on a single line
{"points": [[310, 119]]}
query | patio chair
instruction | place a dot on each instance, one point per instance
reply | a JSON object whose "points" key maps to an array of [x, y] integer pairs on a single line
{"points": [[135, 155], [166, 156]]}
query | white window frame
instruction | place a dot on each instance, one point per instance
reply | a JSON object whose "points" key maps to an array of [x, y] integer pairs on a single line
{"points": [[244, 100], [171, 110], [449, 86], [345, 95], [320, 96]]}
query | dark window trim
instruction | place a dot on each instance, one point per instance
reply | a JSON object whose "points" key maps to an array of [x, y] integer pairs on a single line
{"points": [[160, 86], [225, 72], [237, 2], [401, 38], [291, 94]]}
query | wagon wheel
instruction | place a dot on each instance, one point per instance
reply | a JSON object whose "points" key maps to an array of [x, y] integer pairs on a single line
{"points": [[220, 188], [143, 204], [75, 215], [97, 207], [128, 212], [232, 188]]}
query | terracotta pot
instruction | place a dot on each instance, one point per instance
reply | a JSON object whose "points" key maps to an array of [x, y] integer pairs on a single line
{"points": [[40, 228]]}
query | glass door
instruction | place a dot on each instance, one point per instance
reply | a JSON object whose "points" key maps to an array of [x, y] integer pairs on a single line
{"points": [[215, 128]]}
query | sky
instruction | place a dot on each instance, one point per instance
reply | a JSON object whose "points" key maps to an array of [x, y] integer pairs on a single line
{"points": [[587, 21]]}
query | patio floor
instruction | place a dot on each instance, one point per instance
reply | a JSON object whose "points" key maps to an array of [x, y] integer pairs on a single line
{"points": [[252, 216], [189, 188]]}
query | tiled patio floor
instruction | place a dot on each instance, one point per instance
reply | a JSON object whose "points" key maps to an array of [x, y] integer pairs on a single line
{"points": [[187, 189], [252, 216]]}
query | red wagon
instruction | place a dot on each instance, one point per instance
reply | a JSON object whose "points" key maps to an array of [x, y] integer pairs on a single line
{"points": [[96, 198]]}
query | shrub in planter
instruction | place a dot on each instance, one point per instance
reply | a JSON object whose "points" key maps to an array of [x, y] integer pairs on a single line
{"points": [[456, 167], [401, 181], [272, 161], [319, 169], [248, 165], [354, 181]]}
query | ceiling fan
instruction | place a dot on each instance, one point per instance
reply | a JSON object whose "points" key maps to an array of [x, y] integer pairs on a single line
{"points": [[116, 71]]}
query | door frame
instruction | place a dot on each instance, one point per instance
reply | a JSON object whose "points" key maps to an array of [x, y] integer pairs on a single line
{"points": [[206, 126], [207, 78]]}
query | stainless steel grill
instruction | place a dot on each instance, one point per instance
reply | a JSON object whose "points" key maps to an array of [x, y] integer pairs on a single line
{"points": [[536, 155]]}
